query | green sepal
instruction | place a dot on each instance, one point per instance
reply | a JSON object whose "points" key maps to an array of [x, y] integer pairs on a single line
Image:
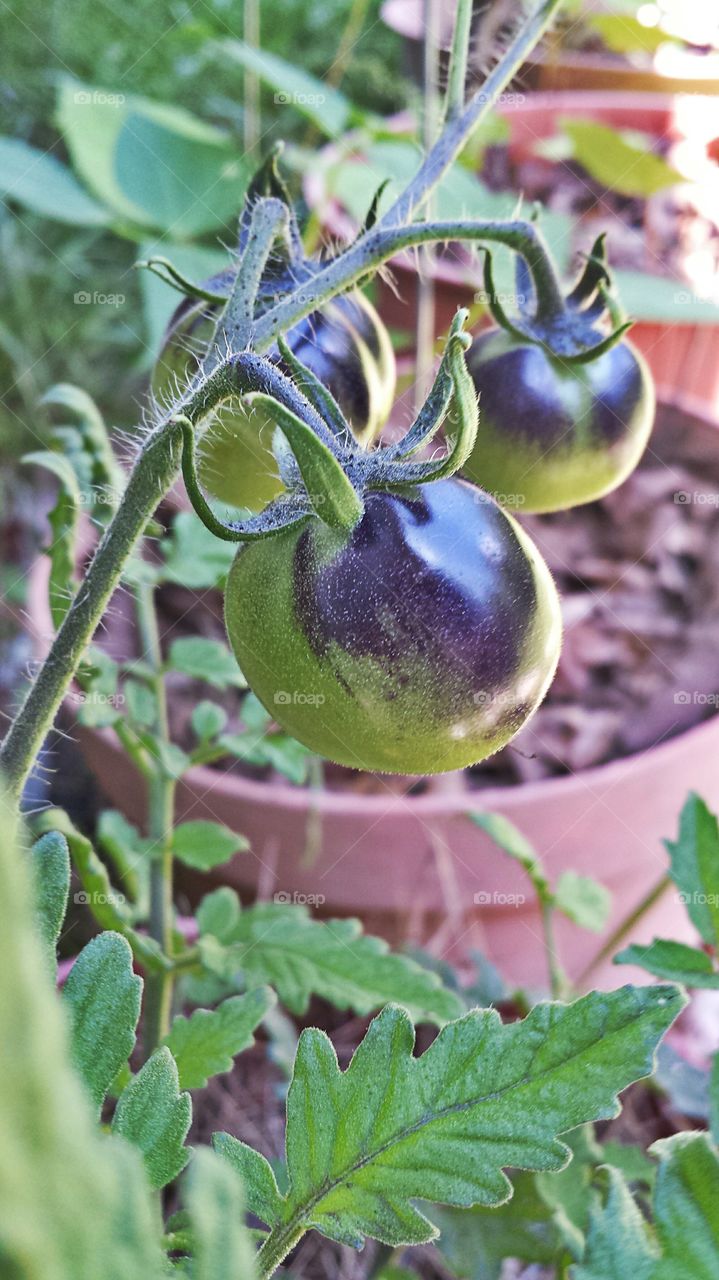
{"points": [[328, 488], [319, 396]]}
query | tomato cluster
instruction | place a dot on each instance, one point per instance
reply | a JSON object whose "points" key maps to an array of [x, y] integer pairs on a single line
{"points": [[345, 345], [391, 616]]}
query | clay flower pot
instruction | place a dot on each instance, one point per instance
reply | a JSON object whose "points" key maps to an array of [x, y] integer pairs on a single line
{"points": [[680, 353], [412, 865]]}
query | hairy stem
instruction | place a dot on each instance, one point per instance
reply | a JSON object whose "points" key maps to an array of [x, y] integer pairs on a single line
{"points": [[153, 474], [276, 1248], [380, 244]]}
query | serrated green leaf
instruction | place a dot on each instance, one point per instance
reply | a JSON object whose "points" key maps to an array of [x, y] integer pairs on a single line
{"points": [[153, 1115], [685, 1208], [685, 1240], [206, 1043], [102, 995], [258, 1179], [695, 866], [208, 719], [204, 845], [104, 471], [618, 1245], [222, 1247], [50, 861], [583, 900], [299, 957], [75, 1205], [194, 557], [207, 660], [363, 1144], [673, 961]]}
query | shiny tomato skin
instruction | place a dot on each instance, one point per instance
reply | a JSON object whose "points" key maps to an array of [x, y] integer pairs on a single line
{"points": [[554, 435], [345, 345], [422, 641]]}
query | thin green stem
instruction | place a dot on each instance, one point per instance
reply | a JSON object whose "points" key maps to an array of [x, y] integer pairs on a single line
{"points": [[454, 138], [454, 101], [276, 1248], [153, 475], [380, 244], [625, 926], [557, 978], [159, 987]]}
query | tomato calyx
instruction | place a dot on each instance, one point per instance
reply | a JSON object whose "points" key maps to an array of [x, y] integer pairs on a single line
{"points": [[326, 471], [574, 327]]}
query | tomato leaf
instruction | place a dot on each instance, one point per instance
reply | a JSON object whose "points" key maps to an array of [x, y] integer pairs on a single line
{"points": [[153, 1115], [617, 1242], [583, 900], [714, 1099], [673, 961], [208, 719], [685, 1240], [50, 861], [74, 1203], [695, 866], [102, 995], [207, 660], [363, 1144], [206, 1043], [222, 1247], [204, 845], [298, 956]]}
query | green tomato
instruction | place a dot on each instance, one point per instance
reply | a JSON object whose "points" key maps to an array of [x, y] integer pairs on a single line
{"points": [[345, 345], [421, 641], [551, 434]]}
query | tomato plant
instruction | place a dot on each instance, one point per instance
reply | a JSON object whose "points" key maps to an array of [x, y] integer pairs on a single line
{"points": [[395, 617], [344, 344], [554, 435], [420, 640], [565, 412]]}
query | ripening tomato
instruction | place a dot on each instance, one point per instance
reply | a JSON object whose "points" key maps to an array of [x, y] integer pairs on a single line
{"points": [[345, 345], [420, 641], [554, 434]]}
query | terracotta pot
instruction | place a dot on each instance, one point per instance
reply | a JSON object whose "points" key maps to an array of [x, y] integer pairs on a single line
{"points": [[681, 355], [413, 866]]}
